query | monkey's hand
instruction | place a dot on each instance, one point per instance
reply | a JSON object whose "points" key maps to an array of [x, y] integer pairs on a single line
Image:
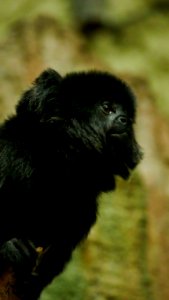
{"points": [[17, 254], [17, 260]]}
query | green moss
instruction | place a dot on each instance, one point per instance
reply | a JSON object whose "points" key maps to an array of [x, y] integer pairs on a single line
{"points": [[71, 284]]}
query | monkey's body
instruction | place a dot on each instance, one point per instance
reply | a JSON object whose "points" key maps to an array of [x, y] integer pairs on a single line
{"points": [[52, 187], [57, 154]]}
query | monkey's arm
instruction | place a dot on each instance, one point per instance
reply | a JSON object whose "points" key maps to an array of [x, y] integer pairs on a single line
{"points": [[25, 270]]}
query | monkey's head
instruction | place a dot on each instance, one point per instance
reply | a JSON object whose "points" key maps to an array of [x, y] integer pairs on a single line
{"points": [[96, 110]]}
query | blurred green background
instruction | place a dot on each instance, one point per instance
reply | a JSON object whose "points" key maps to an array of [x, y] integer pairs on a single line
{"points": [[126, 256]]}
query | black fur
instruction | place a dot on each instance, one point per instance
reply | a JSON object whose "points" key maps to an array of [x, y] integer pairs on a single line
{"points": [[69, 138]]}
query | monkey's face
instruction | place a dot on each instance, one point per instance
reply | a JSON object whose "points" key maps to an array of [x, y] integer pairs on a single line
{"points": [[103, 118], [109, 128], [123, 151]]}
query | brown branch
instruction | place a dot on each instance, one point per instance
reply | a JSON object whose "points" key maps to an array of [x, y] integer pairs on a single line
{"points": [[8, 286]]}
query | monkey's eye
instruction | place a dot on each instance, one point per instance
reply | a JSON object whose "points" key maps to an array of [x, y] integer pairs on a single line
{"points": [[108, 109]]}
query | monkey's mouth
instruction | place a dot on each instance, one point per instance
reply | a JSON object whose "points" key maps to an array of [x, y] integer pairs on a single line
{"points": [[126, 162], [123, 171]]}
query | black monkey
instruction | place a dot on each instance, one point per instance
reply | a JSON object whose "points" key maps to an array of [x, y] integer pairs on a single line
{"points": [[69, 139]]}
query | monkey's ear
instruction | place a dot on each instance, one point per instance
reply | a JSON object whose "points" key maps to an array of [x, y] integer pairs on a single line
{"points": [[36, 101], [48, 77]]}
